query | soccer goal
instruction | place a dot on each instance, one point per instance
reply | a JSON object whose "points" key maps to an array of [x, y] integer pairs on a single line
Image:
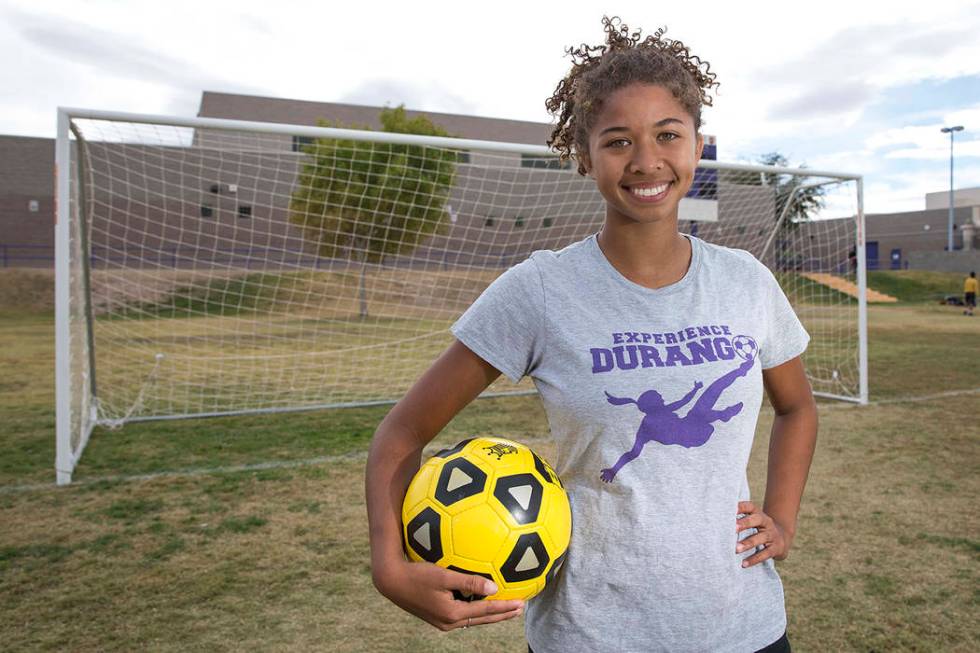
{"points": [[216, 267]]}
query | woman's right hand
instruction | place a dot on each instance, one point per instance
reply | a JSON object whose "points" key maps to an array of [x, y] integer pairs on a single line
{"points": [[422, 588], [426, 590]]}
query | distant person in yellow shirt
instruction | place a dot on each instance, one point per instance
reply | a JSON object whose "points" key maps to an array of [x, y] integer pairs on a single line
{"points": [[970, 293]]}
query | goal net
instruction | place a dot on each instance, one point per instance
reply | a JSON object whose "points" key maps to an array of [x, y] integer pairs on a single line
{"points": [[210, 267]]}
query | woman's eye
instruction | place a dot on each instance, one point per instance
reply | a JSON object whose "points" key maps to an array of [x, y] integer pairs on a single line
{"points": [[668, 136], [619, 142]]}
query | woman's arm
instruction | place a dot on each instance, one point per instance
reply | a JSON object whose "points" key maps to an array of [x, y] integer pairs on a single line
{"points": [[456, 378], [680, 403], [791, 445]]}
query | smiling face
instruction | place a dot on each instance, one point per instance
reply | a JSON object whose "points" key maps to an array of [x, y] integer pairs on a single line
{"points": [[643, 150]]}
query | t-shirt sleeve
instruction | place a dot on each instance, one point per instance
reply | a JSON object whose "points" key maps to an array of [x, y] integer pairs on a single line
{"points": [[504, 326], [785, 336]]}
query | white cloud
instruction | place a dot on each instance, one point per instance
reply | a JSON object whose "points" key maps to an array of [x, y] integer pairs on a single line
{"points": [[844, 97], [854, 161], [960, 150], [969, 117], [110, 54], [928, 136], [431, 96], [907, 191], [786, 84], [906, 135]]}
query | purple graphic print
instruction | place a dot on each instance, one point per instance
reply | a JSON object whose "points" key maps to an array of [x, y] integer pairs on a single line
{"points": [[660, 424]]}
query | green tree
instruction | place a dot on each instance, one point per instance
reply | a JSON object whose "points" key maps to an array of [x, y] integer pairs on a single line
{"points": [[804, 200], [365, 201]]}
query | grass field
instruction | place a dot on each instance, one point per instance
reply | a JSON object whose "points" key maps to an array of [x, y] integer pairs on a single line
{"points": [[249, 533]]}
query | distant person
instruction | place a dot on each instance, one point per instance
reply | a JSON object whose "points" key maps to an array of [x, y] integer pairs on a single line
{"points": [[970, 293]]}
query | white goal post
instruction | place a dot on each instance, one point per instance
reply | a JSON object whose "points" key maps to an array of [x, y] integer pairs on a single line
{"points": [[216, 267]]}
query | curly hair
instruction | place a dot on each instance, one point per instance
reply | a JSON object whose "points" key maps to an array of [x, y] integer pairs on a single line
{"points": [[598, 70]]}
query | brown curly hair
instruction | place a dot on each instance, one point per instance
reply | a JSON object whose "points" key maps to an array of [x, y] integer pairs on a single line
{"points": [[598, 70]]}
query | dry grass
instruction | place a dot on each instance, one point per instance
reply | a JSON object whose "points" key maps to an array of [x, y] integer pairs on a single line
{"points": [[27, 289], [886, 558]]}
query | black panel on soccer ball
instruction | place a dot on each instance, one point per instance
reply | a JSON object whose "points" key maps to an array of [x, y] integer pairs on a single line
{"points": [[543, 470], [509, 488], [528, 560], [555, 568], [428, 543], [446, 453], [459, 479], [459, 596]]}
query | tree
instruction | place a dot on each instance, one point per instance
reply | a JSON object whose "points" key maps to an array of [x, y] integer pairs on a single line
{"points": [[805, 202], [366, 201]]}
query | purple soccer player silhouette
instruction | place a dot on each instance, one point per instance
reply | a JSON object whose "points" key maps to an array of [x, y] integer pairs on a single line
{"points": [[661, 424]]}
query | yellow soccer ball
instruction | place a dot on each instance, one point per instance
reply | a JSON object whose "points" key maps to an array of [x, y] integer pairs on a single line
{"points": [[490, 507]]}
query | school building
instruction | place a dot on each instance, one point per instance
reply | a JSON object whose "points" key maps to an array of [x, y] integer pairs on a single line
{"points": [[908, 240]]}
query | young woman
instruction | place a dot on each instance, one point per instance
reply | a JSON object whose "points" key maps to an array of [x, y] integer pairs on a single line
{"points": [[622, 333]]}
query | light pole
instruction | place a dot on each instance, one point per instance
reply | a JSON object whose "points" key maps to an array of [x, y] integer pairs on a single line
{"points": [[949, 226]]}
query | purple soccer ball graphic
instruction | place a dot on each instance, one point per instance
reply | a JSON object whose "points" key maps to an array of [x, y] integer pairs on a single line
{"points": [[745, 347]]}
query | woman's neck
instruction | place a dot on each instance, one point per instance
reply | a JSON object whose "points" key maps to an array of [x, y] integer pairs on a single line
{"points": [[651, 255]]}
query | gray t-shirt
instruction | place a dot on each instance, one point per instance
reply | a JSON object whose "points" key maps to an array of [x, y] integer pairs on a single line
{"points": [[652, 396]]}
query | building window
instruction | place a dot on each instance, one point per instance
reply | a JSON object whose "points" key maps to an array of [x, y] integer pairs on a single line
{"points": [[300, 141], [548, 222], [33, 206], [244, 211], [215, 188], [488, 222], [207, 211]]}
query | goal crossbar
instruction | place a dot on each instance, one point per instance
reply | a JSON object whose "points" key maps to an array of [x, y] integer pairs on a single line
{"points": [[227, 124]]}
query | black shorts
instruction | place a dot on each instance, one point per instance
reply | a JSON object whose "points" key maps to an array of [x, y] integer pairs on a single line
{"points": [[781, 645], [971, 299]]}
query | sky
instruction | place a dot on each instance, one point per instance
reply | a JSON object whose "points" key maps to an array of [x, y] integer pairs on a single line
{"points": [[856, 87]]}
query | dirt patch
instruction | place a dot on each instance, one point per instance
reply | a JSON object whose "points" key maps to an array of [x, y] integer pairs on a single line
{"points": [[27, 289]]}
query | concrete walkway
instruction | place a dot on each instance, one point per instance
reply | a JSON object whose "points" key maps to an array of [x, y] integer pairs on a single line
{"points": [[847, 287]]}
